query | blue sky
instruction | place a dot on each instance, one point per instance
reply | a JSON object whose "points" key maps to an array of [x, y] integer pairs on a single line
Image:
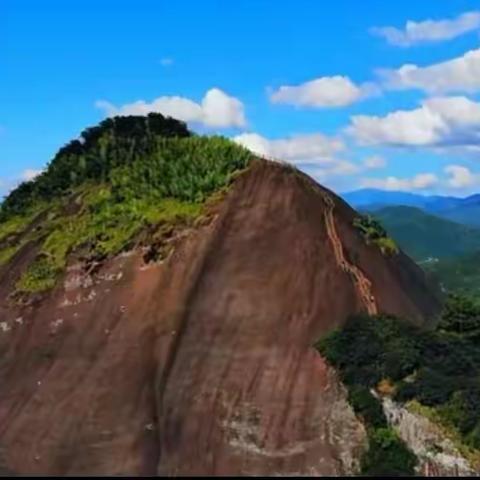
{"points": [[297, 80]]}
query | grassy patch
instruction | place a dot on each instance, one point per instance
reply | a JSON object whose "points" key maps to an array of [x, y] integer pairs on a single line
{"points": [[373, 233], [387, 455], [386, 245], [102, 228], [16, 224], [40, 276], [7, 253]]}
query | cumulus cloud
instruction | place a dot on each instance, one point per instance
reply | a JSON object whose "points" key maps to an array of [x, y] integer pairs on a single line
{"points": [[8, 184], [301, 149], [337, 91], [460, 74], [336, 168], [418, 182], [30, 174], [217, 109], [319, 155], [429, 30], [461, 177], [438, 122]]}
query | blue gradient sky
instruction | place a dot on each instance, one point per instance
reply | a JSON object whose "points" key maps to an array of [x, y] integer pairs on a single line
{"points": [[57, 58]]}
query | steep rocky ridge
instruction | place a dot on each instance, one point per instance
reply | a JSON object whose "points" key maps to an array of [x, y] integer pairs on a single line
{"points": [[201, 363]]}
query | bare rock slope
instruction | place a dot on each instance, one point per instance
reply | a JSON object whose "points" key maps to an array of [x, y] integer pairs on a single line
{"points": [[202, 364]]}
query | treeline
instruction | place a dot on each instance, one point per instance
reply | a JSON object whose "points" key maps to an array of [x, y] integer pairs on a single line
{"points": [[189, 169], [114, 142]]}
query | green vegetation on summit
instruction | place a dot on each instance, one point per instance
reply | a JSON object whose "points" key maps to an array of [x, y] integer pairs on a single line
{"points": [[101, 191]]}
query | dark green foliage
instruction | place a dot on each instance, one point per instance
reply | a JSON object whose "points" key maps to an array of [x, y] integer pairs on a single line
{"points": [[366, 406], [462, 316], [431, 387], [114, 142], [360, 353], [387, 455], [439, 369], [369, 349], [371, 228]]}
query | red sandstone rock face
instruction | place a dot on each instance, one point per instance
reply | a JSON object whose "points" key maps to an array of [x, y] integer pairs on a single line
{"points": [[202, 364]]}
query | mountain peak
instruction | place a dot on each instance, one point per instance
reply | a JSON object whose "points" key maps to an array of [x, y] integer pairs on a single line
{"points": [[199, 330]]}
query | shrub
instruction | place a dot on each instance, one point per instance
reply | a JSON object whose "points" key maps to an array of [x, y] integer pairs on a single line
{"points": [[366, 406], [387, 455], [438, 369], [373, 232], [461, 315]]}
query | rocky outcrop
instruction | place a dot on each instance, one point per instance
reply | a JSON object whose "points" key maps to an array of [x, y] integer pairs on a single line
{"points": [[202, 363], [437, 455]]}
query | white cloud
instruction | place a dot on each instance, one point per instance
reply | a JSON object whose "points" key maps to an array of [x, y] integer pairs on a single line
{"points": [[166, 61], [316, 154], [301, 149], [217, 109], [430, 30], [418, 182], [374, 162], [337, 91], [461, 74], [439, 122], [30, 174], [222, 110], [336, 168], [9, 184], [461, 177]]}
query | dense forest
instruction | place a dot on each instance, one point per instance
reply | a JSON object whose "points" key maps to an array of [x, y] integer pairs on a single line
{"points": [[436, 373], [100, 191], [114, 142]]}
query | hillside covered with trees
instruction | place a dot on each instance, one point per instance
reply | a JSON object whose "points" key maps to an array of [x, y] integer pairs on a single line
{"points": [[102, 189], [435, 373], [422, 235]]}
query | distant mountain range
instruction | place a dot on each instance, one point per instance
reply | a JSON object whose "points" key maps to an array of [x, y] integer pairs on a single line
{"points": [[423, 235], [462, 210]]}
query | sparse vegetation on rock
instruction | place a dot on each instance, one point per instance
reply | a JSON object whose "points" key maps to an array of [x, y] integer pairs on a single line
{"points": [[374, 233]]}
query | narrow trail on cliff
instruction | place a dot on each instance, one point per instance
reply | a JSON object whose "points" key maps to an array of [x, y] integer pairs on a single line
{"points": [[361, 282]]}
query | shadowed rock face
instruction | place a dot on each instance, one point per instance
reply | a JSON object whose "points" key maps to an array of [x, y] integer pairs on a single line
{"points": [[201, 364]]}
